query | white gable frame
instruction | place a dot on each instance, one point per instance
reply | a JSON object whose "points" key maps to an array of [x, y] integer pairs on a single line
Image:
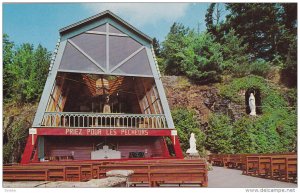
{"points": [[87, 28]]}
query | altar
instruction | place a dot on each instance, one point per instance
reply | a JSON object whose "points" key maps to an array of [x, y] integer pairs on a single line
{"points": [[105, 153]]}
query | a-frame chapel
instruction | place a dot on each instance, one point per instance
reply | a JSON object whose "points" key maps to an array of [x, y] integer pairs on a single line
{"points": [[103, 98]]}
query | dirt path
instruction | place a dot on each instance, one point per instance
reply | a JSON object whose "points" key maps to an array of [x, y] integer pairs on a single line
{"points": [[229, 178]]}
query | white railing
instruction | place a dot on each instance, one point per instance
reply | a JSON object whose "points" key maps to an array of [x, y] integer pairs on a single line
{"points": [[99, 120]]}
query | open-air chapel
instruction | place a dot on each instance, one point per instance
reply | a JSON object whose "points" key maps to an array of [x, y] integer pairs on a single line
{"points": [[103, 98], [104, 116]]}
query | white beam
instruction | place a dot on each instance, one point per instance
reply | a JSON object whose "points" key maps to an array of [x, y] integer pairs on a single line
{"points": [[105, 33], [128, 58], [86, 55]]}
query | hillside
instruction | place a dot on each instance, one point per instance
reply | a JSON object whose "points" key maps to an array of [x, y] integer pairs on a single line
{"points": [[224, 124]]}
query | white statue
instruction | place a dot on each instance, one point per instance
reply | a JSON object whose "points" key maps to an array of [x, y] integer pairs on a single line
{"points": [[106, 107], [192, 149], [252, 105]]}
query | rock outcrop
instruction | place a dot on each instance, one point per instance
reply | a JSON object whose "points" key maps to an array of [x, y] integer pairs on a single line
{"points": [[203, 99]]}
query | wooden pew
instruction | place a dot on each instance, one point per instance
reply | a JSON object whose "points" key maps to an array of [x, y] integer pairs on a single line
{"points": [[25, 175], [275, 166], [150, 172], [73, 170], [155, 174], [219, 159], [236, 161]]}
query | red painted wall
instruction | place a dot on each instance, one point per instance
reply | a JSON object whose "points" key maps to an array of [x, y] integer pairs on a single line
{"points": [[82, 146]]}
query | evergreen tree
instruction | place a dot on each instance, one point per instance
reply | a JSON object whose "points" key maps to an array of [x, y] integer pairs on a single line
{"points": [[209, 20], [8, 54], [41, 62], [156, 47], [172, 49], [235, 57], [261, 25]]}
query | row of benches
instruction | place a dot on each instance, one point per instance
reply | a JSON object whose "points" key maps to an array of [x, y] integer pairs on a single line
{"points": [[282, 167], [147, 172]]}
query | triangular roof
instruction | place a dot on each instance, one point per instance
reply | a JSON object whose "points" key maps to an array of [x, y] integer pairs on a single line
{"points": [[101, 15], [107, 45]]}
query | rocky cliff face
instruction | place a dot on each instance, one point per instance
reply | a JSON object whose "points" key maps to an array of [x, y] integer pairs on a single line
{"points": [[204, 99], [17, 119]]}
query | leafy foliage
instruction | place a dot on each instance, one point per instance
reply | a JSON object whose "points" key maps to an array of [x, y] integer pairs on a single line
{"points": [[8, 54], [270, 133], [186, 123], [270, 31], [196, 56], [258, 24], [273, 131], [156, 47], [253, 38], [172, 49], [270, 95], [219, 134], [25, 70], [234, 53]]}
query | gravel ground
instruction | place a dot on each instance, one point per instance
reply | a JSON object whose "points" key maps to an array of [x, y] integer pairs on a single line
{"points": [[230, 178]]}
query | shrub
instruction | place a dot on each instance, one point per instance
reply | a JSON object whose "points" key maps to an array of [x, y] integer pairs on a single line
{"points": [[219, 134], [186, 123], [275, 130], [259, 67]]}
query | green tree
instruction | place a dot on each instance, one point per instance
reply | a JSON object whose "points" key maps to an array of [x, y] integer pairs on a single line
{"points": [[25, 71], [21, 70], [265, 26], [202, 58], [156, 47], [219, 134], [213, 20], [258, 24], [209, 20], [198, 56], [235, 56], [243, 136], [8, 54], [41, 62], [172, 49]]}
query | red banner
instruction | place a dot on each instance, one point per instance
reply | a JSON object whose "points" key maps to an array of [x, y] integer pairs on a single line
{"points": [[103, 132]]}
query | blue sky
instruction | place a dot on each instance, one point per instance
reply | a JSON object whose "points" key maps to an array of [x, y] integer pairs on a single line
{"points": [[39, 23]]}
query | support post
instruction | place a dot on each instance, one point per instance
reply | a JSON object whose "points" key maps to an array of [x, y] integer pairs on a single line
{"points": [[31, 141], [164, 144], [177, 148], [35, 156], [176, 144]]}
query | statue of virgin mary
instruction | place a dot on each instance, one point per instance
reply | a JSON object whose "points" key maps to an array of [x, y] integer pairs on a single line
{"points": [[252, 105], [192, 149]]}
